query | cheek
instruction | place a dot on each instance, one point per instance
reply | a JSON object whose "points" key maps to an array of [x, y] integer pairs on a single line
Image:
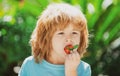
{"points": [[57, 43], [77, 40]]}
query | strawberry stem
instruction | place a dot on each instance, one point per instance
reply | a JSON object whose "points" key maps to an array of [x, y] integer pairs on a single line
{"points": [[76, 46], [71, 49]]}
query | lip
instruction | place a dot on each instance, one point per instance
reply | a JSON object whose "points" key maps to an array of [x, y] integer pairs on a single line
{"points": [[68, 45]]}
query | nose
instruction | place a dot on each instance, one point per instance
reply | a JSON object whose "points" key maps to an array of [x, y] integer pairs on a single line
{"points": [[68, 39]]}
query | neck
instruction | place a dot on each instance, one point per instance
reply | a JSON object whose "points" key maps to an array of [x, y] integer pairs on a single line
{"points": [[55, 59]]}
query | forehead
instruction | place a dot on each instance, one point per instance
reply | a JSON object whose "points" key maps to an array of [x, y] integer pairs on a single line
{"points": [[70, 26]]}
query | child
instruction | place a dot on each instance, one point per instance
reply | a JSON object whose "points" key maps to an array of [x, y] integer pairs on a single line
{"points": [[59, 25]]}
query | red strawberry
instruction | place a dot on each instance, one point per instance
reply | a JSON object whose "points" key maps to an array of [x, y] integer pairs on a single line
{"points": [[67, 51], [69, 48]]}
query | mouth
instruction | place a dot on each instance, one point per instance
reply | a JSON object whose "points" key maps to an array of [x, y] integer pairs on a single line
{"points": [[69, 48]]}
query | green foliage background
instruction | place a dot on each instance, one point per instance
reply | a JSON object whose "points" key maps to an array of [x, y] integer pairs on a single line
{"points": [[18, 19]]}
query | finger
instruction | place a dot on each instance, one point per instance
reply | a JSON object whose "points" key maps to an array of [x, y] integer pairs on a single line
{"points": [[73, 56], [71, 51], [76, 54], [67, 56]]}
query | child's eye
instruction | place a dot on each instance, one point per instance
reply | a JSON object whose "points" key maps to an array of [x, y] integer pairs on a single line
{"points": [[74, 33], [60, 33]]}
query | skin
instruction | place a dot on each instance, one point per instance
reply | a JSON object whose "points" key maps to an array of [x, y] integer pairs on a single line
{"points": [[60, 39]]}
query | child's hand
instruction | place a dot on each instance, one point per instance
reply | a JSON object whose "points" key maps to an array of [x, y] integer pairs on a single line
{"points": [[71, 63]]}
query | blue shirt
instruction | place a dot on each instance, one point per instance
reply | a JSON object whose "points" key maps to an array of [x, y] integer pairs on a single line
{"points": [[31, 68]]}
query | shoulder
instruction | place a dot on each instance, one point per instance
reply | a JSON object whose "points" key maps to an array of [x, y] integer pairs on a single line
{"points": [[26, 66], [28, 60], [84, 67], [84, 64]]}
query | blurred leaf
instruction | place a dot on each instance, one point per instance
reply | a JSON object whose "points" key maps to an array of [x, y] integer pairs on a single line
{"points": [[111, 15], [113, 33], [83, 4], [3, 31]]}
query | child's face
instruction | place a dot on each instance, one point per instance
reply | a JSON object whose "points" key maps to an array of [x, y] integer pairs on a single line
{"points": [[64, 37]]}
